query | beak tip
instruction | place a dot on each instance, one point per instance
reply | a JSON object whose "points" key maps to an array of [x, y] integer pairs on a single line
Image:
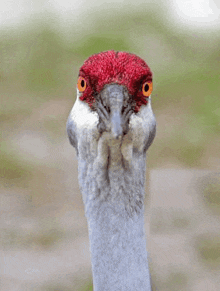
{"points": [[116, 127], [118, 136]]}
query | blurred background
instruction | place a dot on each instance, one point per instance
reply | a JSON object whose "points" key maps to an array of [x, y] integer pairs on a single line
{"points": [[44, 242]]}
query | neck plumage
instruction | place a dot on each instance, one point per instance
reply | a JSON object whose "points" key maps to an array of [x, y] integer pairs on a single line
{"points": [[112, 184]]}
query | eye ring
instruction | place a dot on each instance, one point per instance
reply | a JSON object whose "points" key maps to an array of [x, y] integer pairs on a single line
{"points": [[81, 84], [147, 88]]}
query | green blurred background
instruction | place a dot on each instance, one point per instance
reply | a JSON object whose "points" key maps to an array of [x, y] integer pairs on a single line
{"points": [[40, 58]]}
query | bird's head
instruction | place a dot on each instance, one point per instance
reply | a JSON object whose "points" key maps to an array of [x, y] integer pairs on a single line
{"points": [[115, 85]]}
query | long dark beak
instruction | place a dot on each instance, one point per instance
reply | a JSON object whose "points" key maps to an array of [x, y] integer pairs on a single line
{"points": [[115, 98], [116, 124]]}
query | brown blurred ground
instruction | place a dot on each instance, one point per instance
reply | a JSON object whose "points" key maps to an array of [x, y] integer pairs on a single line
{"points": [[44, 243]]}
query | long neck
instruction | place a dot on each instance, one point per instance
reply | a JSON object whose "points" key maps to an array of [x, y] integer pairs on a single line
{"points": [[118, 248], [113, 193]]}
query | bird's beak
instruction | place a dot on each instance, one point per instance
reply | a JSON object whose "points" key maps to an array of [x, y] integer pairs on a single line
{"points": [[115, 100], [116, 126]]}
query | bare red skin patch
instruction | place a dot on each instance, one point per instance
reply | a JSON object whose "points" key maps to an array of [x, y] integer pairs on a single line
{"points": [[115, 67]]}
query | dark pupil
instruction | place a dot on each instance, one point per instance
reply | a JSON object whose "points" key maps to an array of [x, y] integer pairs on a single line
{"points": [[82, 83], [146, 88]]}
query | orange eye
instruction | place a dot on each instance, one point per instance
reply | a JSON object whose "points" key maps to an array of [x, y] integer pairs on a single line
{"points": [[147, 88], [81, 84]]}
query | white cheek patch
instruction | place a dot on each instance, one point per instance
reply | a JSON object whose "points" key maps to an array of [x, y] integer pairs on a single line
{"points": [[82, 115], [78, 94]]}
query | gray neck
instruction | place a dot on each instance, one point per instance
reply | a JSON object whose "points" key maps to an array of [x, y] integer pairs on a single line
{"points": [[118, 247], [115, 212]]}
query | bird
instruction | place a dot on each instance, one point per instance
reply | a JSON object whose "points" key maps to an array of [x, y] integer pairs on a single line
{"points": [[111, 126]]}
